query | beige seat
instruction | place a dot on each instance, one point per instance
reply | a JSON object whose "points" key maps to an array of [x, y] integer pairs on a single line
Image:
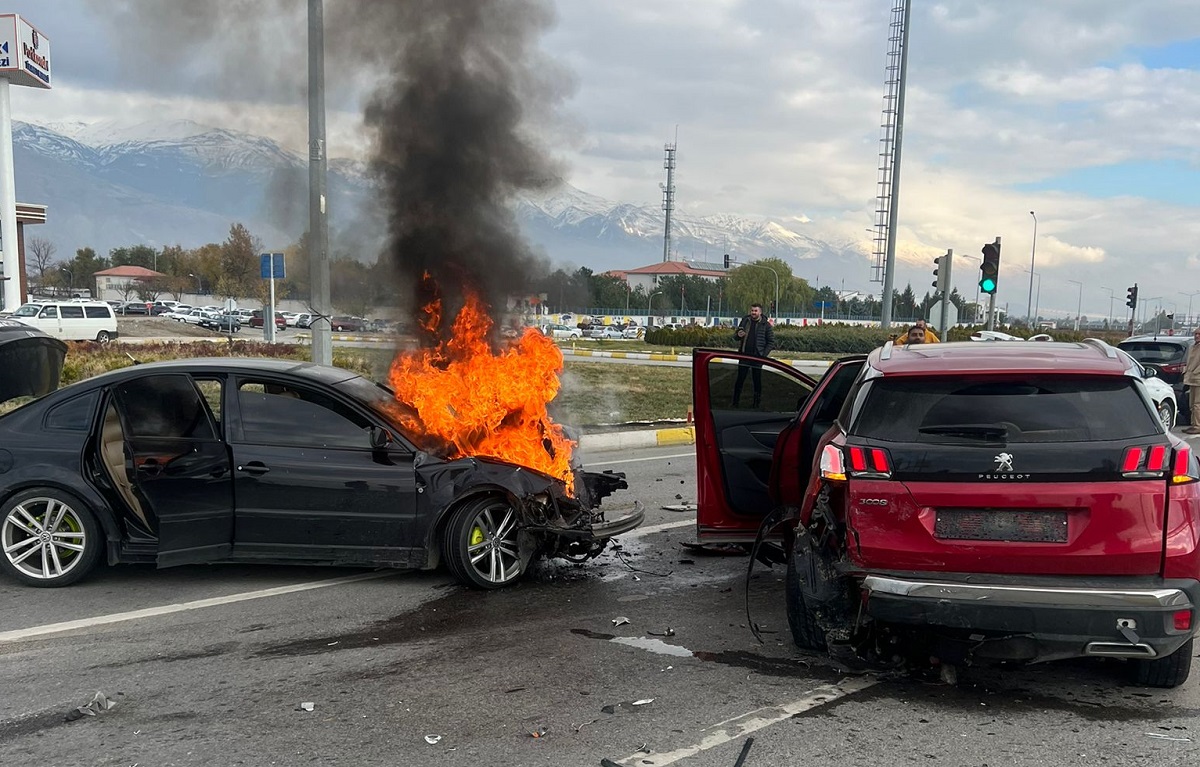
{"points": [[112, 449]]}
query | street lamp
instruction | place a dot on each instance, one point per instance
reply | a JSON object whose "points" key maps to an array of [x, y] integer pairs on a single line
{"points": [[199, 290], [1079, 303], [650, 303], [1036, 302], [1190, 296], [1108, 319], [1032, 257]]}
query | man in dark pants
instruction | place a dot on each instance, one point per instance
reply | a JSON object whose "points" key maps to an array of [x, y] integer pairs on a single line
{"points": [[754, 336]]}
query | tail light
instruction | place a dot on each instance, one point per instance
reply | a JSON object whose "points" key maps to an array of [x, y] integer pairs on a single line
{"points": [[1182, 470], [1148, 461], [866, 462], [1172, 369], [1183, 620]]}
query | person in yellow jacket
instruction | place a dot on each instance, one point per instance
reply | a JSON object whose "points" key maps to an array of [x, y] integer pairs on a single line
{"points": [[930, 336], [1191, 380]]}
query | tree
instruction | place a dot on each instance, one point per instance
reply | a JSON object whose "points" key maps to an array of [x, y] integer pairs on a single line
{"points": [[137, 255], [80, 272], [39, 253], [126, 289], [239, 263]]}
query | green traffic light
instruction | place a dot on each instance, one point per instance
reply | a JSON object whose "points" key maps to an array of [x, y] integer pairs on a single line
{"points": [[987, 285]]}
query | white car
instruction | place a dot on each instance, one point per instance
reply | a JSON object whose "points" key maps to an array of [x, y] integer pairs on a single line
{"points": [[1162, 394], [290, 318], [634, 331], [561, 331], [196, 316]]}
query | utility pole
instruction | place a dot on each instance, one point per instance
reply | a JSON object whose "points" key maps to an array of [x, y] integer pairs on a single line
{"points": [[668, 190], [318, 214], [889, 266]]}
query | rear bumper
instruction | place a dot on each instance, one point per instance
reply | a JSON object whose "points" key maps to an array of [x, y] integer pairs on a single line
{"points": [[1045, 619]]}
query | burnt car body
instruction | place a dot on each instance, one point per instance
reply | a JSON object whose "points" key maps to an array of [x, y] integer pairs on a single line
{"points": [[254, 460]]}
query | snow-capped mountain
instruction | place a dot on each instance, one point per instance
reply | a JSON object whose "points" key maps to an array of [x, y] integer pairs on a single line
{"points": [[111, 185]]}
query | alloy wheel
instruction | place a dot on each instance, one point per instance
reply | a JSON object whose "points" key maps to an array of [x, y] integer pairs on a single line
{"points": [[43, 538], [492, 546]]}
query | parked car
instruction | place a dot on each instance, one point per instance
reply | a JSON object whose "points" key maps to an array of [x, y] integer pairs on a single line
{"points": [[603, 331], [289, 318], [271, 461], [70, 321], [133, 307], [196, 316], [561, 331], [304, 319], [981, 501], [256, 320], [634, 331], [1167, 355], [225, 323]]}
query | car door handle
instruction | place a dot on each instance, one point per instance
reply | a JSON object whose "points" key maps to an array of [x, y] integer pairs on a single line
{"points": [[254, 467]]}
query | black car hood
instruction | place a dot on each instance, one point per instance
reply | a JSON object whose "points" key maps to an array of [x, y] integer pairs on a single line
{"points": [[590, 487], [31, 362]]}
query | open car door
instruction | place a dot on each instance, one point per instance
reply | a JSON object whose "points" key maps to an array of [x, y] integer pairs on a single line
{"points": [[752, 458]]}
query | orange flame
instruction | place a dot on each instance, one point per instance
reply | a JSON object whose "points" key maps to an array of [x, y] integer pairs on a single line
{"points": [[459, 397]]}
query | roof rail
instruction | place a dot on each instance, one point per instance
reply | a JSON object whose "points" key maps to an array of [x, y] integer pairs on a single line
{"points": [[886, 354], [1108, 349]]}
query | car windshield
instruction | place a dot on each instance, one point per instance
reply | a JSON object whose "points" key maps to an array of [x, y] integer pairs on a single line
{"points": [[376, 396], [28, 310], [1030, 409], [1153, 352]]}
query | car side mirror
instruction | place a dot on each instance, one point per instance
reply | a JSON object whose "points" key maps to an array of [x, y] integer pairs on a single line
{"points": [[380, 438], [1149, 372]]}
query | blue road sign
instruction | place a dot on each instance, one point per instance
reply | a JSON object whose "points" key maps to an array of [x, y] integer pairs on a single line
{"points": [[269, 260], [824, 304]]}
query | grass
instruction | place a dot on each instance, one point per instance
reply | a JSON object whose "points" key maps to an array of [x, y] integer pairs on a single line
{"points": [[607, 393]]}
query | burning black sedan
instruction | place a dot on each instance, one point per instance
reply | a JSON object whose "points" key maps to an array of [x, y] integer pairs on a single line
{"points": [[254, 460]]}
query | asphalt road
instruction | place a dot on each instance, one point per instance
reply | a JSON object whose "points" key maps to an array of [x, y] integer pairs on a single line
{"points": [[390, 661]]}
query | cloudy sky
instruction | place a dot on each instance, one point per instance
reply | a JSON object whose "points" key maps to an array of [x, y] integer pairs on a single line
{"points": [[1084, 111]]}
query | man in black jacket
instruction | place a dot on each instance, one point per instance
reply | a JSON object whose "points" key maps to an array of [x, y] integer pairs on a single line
{"points": [[754, 336]]}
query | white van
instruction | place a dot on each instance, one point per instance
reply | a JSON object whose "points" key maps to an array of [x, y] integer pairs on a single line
{"points": [[70, 320]]}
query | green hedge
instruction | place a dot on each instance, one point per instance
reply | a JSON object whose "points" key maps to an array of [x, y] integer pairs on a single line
{"points": [[831, 338]]}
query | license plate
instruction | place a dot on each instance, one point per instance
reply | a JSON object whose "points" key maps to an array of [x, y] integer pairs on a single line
{"points": [[1036, 526]]}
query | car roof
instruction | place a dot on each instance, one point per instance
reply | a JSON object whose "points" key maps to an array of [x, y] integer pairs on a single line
{"points": [[310, 370], [1091, 357], [1160, 339]]}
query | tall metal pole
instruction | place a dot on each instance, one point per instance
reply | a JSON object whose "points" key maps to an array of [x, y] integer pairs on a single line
{"points": [[945, 318], [669, 195], [8, 205], [889, 264], [1032, 256], [1109, 318], [1079, 303], [318, 214]]}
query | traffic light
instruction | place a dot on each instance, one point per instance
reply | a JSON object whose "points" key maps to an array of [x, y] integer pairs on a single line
{"points": [[941, 275], [1131, 300], [989, 270], [726, 260]]}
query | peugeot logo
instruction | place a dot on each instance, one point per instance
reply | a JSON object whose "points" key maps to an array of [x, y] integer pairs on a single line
{"points": [[1004, 462]]}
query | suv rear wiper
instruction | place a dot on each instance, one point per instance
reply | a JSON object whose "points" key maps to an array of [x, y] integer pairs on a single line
{"points": [[982, 431]]}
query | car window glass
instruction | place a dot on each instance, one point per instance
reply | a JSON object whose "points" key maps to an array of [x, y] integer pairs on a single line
{"points": [[97, 312], [210, 390], [72, 312], [164, 406], [49, 312], [781, 393], [276, 414], [1033, 409], [1152, 352], [73, 415]]}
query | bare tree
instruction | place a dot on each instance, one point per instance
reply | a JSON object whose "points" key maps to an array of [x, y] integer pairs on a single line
{"points": [[39, 252], [126, 289]]}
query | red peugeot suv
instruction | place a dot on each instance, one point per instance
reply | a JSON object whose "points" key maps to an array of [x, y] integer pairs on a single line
{"points": [[997, 501]]}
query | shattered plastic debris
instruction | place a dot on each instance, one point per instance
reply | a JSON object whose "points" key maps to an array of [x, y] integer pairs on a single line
{"points": [[97, 705], [1160, 736], [538, 732], [685, 506], [643, 701], [433, 740], [620, 620], [307, 706], [670, 632]]}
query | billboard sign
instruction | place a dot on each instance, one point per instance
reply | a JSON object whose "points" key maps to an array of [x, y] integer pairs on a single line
{"points": [[24, 52], [271, 265]]}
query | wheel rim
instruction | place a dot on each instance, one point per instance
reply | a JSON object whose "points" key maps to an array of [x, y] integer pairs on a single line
{"points": [[492, 546], [103, 337], [1164, 415], [43, 538]]}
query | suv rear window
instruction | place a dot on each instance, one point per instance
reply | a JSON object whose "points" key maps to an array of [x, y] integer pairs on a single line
{"points": [[1031, 409], [1154, 352]]}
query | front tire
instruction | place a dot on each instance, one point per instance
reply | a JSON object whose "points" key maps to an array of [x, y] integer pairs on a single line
{"points": [[1169, 671], [103, 337], [48, 538], [483, 545]]}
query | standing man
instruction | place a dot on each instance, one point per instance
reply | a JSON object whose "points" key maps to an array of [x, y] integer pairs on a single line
{"points": [[930, 336], [754, 336], [1191, 380]]}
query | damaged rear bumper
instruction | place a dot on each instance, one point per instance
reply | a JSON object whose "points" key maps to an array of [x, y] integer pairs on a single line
{"points": [[1045, 620]]}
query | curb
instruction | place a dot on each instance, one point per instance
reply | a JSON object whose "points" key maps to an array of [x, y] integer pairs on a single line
{"points": [[623, 440], [660, 357]]}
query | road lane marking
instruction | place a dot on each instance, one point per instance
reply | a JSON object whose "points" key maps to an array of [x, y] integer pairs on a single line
{"points": [[740, 726], [199, 604], [639, 532], [640, 460]]}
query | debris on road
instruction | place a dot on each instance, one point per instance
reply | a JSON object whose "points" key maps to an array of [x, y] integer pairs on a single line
{"points": [[1161, 736], [97, 705], [643, 701], [620, 620], [433, 740], [685, 506], [670, 632], [307, 706], [741, 760], [538, 732]]}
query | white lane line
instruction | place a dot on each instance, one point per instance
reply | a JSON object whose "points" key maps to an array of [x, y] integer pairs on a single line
{"points": [[752, 721], [199, 604], [640, 460], [639, 532]]}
